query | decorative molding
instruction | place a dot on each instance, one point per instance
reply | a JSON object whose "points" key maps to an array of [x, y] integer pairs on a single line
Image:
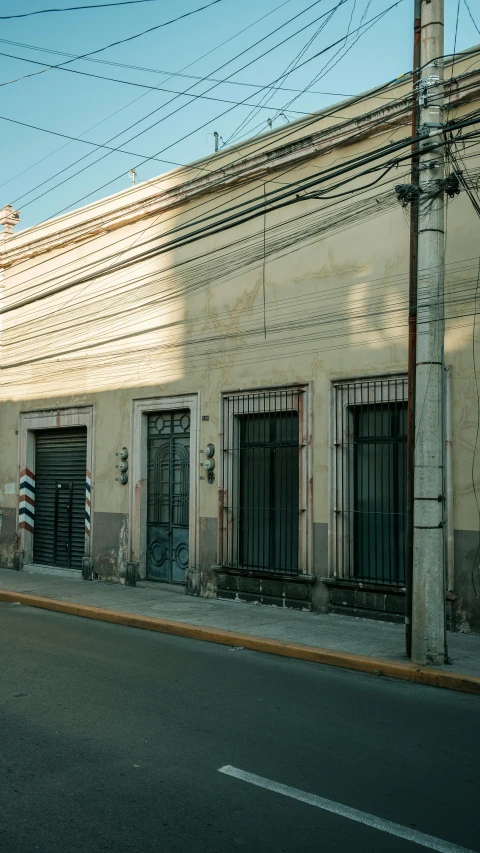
{"points": [[257, 166], [139, 471], [228, 477], [29, 423]]}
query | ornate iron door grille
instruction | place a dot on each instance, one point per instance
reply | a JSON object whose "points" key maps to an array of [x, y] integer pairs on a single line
{"points": [[168, 496]]}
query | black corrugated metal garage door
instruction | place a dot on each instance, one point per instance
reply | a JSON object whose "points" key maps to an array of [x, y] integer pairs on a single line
{"points": [[60, 471]]}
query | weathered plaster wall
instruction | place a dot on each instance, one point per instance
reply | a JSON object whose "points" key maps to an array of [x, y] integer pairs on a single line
{"points": [[110, 545], [171, 324], [320, 565], [8, 534], [466, 607]]}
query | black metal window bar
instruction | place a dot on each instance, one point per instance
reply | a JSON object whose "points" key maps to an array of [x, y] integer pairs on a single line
{"points": [[261, 478], [371, 480]]}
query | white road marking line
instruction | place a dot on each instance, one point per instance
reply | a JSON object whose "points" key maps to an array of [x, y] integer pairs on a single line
{"points": [[397, 829]]}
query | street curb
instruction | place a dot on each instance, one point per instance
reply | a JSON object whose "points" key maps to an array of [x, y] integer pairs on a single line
{"points": [[346, 660]]}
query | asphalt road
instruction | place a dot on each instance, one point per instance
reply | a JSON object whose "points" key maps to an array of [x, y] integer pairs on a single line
{"points": [[111, 739]]}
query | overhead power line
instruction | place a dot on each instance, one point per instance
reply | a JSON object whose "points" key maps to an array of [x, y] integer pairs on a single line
{"points": [[177, 242], [282, 198], [75, 9], [134, 359], [362, 316], [225, 112], [122, 247], [181, 278], [191, 221], [185, 275], [471, 16], [220, 267], [324, 220], [170, 73], [290, 68], [85, 141], [275, 199], [162, 106], [281, 138], [140, 85], [136, 235], [119, 41], [135, 100], [333, 61], [98, 316], [235, 137]]}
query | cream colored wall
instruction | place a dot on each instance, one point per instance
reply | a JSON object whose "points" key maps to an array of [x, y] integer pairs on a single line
{"points": [[107, 341], [463, 243], [303, 282]]}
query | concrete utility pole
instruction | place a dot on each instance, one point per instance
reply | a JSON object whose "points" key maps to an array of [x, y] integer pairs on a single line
{"points": [[412, 329], [428, 604]]}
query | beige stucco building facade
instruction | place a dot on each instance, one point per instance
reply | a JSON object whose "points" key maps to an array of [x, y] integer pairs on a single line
{"points": [[228, 304]]}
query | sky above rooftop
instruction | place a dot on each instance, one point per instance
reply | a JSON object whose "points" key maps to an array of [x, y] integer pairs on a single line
{"points": [[344, 48]]}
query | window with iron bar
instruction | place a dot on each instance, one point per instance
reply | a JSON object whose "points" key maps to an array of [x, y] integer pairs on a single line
{"points": [[368, 527], [263, 519]]}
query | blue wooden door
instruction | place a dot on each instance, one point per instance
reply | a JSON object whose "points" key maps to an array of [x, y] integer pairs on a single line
{"points": [[168, 496]]}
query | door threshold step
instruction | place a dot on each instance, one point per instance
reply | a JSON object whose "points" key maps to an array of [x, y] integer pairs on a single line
{"points": [[162, 586], [37, 569]]}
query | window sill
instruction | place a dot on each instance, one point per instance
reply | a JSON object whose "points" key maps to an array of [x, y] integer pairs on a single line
{"points": [[275, 576], [368, 586]]}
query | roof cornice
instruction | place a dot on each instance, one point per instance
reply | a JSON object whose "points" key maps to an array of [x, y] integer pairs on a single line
{"points": [[253, 167]]}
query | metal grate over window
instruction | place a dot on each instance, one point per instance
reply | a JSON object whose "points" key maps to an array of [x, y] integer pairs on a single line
{"points": [[261, 474], [370, 439]]}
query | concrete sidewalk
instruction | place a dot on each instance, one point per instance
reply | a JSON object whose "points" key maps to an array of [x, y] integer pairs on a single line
{"points": [[340, 634]]}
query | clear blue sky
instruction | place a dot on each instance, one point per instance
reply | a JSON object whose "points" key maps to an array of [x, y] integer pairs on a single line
{"points": [[72, 104]]}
